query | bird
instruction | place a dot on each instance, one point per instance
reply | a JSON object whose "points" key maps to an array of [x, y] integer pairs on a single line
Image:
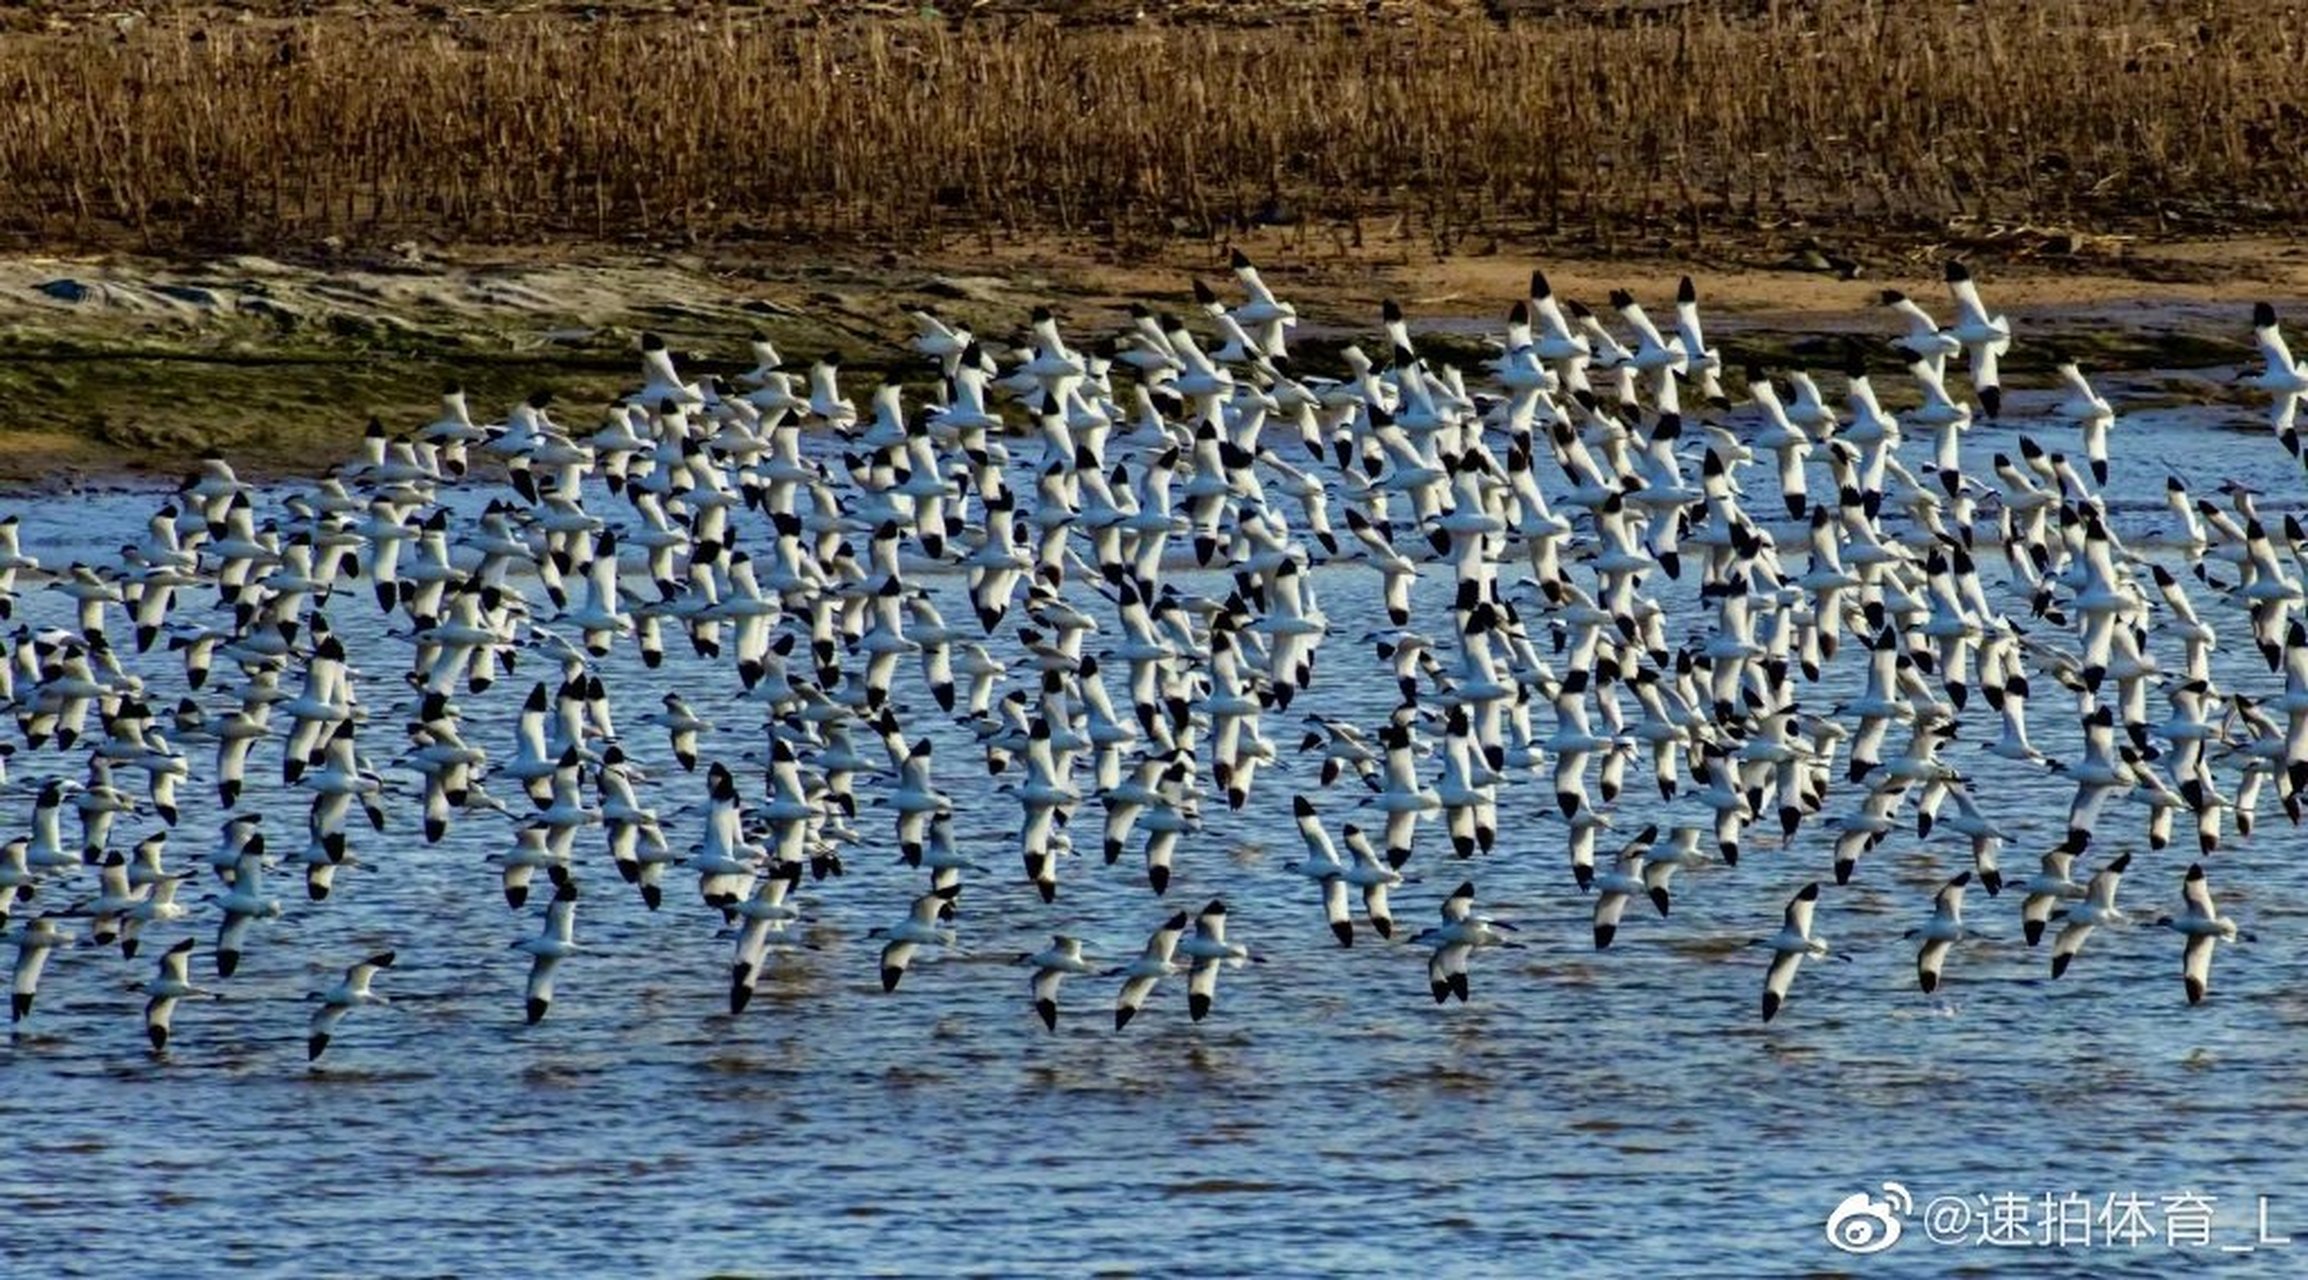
{"points": [[1141, 976], [1789, 946], [350, 993], [1630, 874], [765, 913], [2202, 925], [1321, 865], [243, 904], [2282, 377], [2090, 411], [35, 940], [682, 726], [1210, 951], [2046, 891], [1455, 940], [1984, 338], [2097, 908], [169, 985], [1942, 933], [1052, 966], [1374, 876], [553, 943], [924, 925], [12, 560], [805, 545]]}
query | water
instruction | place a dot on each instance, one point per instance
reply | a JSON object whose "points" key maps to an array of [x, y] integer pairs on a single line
{"points": [[1586, 1114]]}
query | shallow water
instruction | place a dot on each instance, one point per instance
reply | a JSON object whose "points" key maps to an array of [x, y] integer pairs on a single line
{"points": [[1586, 1114]]}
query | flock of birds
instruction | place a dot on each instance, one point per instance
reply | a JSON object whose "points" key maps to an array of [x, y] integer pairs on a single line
{"points": [[1555, 489]]}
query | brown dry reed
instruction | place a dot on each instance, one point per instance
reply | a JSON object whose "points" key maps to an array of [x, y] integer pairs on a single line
{"points": [[179, 134]]}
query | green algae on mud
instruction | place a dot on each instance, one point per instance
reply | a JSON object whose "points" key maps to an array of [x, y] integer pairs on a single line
{"points": [[141, 409], [84, 397]]}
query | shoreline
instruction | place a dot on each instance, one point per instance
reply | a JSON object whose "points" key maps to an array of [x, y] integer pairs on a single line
{"points": [[118, 367]]}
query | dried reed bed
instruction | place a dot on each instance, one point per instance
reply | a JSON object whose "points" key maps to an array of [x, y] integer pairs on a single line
{"points": [[2097, 113]]}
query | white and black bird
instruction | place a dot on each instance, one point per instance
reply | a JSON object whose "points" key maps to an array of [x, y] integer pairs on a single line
{"points": [[349, 994], [1942, 933], [928, 923], [35, 940], [1455, 941], [682, 727], [2097, 908], [1321, 865], [1638, 871], [554, 942], [1984, 338], [2202, 925], [1789, 946], [1052, 966], [1141, 976], [169, 984], [243, 904], [1208, 948]]}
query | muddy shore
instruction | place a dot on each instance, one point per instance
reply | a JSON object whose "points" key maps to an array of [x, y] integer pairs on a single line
{"points": [[119, 365]]}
